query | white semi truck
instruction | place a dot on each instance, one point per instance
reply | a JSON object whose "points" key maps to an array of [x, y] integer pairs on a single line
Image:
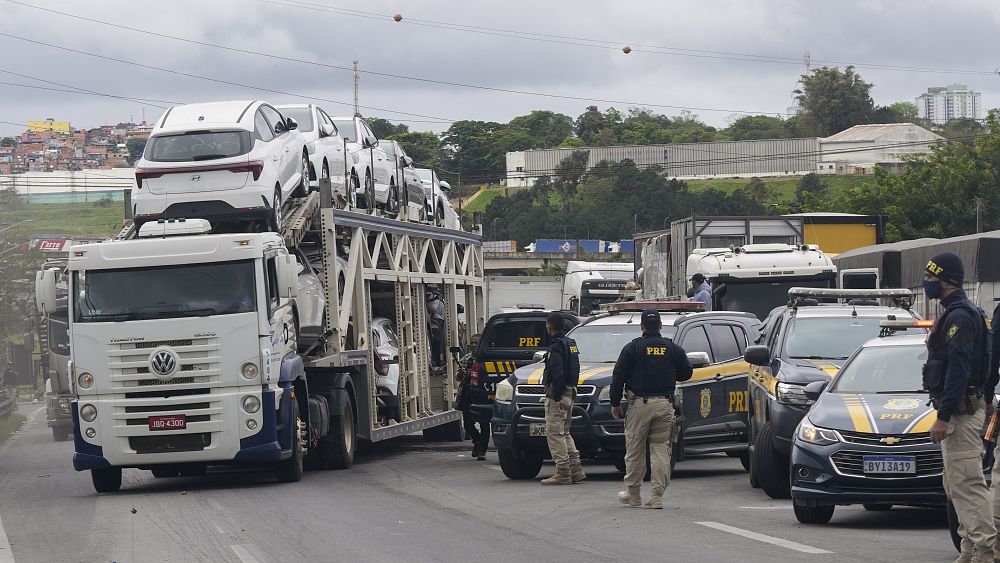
{"points": [[588, 285], [185, 348]]}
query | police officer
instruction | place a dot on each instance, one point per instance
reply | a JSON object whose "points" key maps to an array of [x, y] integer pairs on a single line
{"points": [[649, 367], [992, 379], [562, 372], [955, 376], [471, 415]]}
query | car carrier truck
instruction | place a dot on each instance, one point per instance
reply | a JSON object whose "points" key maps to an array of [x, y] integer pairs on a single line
{"points": [[185, 348]]}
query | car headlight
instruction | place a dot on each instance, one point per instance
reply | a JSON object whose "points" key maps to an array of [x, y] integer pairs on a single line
{"points": [[505, 391], [88, 413], [250, 404], [793, 394], [817, 435], [249, 370], [605, 394]]}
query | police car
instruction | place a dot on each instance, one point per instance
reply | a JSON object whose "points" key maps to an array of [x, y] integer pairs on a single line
{"points": [[805, 341], [866, 439], [713, 402]]}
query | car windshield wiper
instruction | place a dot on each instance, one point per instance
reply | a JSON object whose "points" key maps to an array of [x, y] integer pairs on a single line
{"points": [[816, 358], [204, 312]]}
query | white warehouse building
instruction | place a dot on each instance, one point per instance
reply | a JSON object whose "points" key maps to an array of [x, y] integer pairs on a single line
{"points": [[854, 151]]}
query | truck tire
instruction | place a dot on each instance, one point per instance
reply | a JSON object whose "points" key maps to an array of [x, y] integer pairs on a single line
{"points": [[518, 464], [60, 434], [336, 449], [772, 466], [290, 470], [107, 479], [813, 514], [450, 432]]}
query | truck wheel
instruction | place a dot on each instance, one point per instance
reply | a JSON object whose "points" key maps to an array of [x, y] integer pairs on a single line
{"points": [[165, 471], [813, 514], [450, 432], [59, 434], [290, 470], [773, 467], [518, 464], [953, 526], [107, 479], [336, 449]]}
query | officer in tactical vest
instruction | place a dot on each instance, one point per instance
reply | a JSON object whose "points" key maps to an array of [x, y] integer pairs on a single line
{"points": [[955, 376], [647, 372], [562, 372]]}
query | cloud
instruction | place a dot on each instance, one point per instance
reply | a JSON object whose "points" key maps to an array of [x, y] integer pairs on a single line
{"points": [[426, 44]]}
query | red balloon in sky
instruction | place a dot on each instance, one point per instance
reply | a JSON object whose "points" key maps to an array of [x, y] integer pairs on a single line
{"points": [[398, 17], [626, 49]]}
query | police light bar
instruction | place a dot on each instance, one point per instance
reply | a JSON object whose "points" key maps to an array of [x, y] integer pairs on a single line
{"points": [[820, 292], [662, 306], [905, 324]]}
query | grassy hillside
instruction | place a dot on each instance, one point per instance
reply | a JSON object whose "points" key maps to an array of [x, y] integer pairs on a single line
{"points": [[783, 187], [64, 219]]}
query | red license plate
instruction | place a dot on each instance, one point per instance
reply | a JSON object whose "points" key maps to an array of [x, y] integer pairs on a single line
{"points": [[168, 422]]}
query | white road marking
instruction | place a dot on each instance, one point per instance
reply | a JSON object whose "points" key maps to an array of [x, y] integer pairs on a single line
{"points": [[243, 552], [787, 544], [6, 554]]}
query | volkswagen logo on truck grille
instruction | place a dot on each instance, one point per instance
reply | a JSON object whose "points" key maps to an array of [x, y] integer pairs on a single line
{"points": [[163, 363]]}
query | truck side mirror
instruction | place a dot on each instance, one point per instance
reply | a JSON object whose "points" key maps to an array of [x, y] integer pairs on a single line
{"points": [[757, 355], [815, 389], [287, 267], [698, 359], [45, 290]]}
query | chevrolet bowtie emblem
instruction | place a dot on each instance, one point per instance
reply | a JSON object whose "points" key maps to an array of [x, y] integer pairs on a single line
{"points": [[890, 440]]}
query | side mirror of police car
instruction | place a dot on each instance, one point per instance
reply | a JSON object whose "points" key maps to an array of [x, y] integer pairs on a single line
{"points": [[815, 389], [538, 357], [757, 355], [698, 359]]}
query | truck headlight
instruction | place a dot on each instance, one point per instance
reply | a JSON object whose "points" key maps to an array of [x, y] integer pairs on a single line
{"points": [[249, 370], [86, 380], [505, 391], [817, 435], [88, 413], [793, 394], [605, 394], [250, 404]]}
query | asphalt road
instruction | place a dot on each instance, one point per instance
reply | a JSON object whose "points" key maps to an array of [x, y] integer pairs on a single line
{"points": [[412, 501]]}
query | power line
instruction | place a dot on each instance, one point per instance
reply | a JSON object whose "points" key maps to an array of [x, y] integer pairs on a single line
{"points": [[67, 91], [210, 79]]}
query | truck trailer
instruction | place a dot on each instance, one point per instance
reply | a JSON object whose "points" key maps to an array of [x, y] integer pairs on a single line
{"points": [[191, 347]]}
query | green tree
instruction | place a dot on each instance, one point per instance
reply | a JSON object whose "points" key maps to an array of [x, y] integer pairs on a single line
{"points": [[754, 127], [905, 111], [570, 172], [7, 142], [135, 147], [546, 128], [962, 129], [423, 147], [383, 128], [470, 148], [833, 100]]}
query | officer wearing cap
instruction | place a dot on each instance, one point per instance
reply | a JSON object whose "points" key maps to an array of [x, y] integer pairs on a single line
{"points": [[649, 368], [954, 375], [561, 375]]}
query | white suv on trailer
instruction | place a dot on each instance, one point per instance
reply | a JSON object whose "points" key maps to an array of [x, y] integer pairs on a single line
{"points": [[220, 160], [372, 175], [327, 149]]}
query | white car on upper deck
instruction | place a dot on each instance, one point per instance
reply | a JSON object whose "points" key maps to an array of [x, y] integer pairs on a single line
{"points": [[220, 160], [371, 172], [327, 149]]}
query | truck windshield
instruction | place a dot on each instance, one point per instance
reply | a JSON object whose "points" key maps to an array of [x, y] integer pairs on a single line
{"points": [[164, 292], [757, 298], [883, 369], [832, 338], [59, 336], [197, 145], [603, 344]]}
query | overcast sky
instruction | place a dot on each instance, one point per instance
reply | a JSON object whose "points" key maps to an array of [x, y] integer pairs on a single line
{"points": [[957, 34]]}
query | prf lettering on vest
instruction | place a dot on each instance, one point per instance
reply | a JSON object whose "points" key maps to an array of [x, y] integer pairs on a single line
{"points": [[934, 268], [656, 350], [738, 401], [529, 342]]}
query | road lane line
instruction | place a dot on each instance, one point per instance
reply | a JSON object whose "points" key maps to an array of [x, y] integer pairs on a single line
{"points": [[244, 554], [787, 544], [6, 554]]}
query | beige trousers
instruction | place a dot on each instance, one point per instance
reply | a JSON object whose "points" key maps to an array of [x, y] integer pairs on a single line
{"points": [[557, 425], [963, 478], [648, 422]]}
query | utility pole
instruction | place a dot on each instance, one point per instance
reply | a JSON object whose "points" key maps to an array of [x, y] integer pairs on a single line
{"points": [[808, 60], [357, 110], [979, 215]]}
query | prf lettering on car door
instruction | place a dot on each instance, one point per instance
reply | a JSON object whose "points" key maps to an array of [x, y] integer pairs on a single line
{"points": [[738, 401], [529, 342]]}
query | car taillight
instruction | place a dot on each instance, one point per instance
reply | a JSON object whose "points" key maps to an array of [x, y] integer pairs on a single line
{"points": [[474, 373], [256, 167], [139, 175]]}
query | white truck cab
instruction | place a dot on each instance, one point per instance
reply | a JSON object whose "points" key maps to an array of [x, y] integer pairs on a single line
{"points": [[588, 285]]}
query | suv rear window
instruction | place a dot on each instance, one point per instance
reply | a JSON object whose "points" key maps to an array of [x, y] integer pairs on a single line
{"points": [[197, 145], [518, 334]]}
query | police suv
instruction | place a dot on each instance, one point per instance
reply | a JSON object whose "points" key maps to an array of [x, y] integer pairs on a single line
{"points": [[713, 402], [866, 439], [805, 341]]}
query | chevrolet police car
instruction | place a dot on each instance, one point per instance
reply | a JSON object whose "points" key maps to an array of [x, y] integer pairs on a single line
{"points": [[713, 402], [866, 439], [803, 342]]}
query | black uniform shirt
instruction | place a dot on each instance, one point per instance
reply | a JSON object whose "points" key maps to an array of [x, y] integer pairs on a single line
{"points": [[651, 365], [956, 340]]}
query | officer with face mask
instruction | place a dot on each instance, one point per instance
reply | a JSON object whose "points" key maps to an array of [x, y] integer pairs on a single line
{"points": [[954, 375]]}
